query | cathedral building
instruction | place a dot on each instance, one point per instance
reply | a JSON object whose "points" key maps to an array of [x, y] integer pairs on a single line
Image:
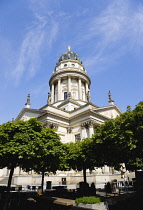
{"points": [[69, 108], [70, 111]]}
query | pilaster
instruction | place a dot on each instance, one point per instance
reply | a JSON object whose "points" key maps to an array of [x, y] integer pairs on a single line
{"points": [[69, 84], [52, 89], [59, 89], [79, 88]]}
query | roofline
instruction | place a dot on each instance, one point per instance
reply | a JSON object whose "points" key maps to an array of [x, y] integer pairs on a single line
{"points": [[109, 107], [28, 110]]}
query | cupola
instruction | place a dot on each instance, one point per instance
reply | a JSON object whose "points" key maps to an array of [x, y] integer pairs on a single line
{"points": [[69, 80]]}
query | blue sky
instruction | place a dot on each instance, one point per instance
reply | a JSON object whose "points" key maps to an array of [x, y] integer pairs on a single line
{"points": [[106, 34]]}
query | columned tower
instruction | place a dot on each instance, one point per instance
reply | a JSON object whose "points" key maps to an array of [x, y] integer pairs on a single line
{"points": [[69, 80]]}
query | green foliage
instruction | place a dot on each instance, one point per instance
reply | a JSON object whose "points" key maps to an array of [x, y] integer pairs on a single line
{"points": [[121, 139], [47, 151], [29, 145], [129, 108], [87, 200], [79, 154], [15, 141]]}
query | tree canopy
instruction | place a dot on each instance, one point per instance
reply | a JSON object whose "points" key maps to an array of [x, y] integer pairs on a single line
{"points": [[29, 145], [47, 153], [121, 139], [79, 156]]}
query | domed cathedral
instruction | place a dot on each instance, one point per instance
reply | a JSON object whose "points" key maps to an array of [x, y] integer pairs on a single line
{"points": [[70, 111], [69, 108]]}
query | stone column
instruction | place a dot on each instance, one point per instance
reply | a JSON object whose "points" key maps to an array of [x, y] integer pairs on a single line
{"points": [[69, 84], [91, 128], [91, 131], [52, 90], [59, 89], [83, 131], [86, 87], [79, 88]]}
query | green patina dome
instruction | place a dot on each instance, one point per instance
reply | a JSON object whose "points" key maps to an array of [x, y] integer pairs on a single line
{"points": [[69, 56]]}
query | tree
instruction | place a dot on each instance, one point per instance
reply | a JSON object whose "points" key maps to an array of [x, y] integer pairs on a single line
{"points": [[15, 138], [79, 156], [47, 153], [15, 144], [120, 140]]}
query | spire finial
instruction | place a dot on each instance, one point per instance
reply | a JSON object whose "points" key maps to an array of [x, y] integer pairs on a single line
{"points": [[69, 48], [111, 102], [28, 101]]}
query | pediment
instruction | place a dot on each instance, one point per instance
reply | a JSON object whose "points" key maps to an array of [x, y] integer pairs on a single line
{"points": [[68, 101], [111, 111], [28, 113]]}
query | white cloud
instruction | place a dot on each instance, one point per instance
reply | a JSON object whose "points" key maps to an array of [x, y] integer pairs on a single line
{"points": [[114, 31], [117, 30], [42, 31]]}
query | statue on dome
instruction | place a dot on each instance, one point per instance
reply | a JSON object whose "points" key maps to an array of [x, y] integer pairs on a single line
{"points": [[69, 48], [88, 96], [49, 98]]}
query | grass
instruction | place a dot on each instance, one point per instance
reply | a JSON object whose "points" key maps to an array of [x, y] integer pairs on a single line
{"points": [[87, 200]]}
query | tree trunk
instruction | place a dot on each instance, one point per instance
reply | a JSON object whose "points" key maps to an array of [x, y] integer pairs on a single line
{"points": [[8, 188], [42, 182], [10, 178], [84, 174]]}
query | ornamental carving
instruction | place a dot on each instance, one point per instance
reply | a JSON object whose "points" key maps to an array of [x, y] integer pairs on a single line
{"points": [[50, 125], [69, 129], [87, 124]]}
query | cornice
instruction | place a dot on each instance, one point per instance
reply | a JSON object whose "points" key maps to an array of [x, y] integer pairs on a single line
{"points": [[89, 112], [62, 73], [108, 108], [28, 110], [67, 101], [54, 114]]}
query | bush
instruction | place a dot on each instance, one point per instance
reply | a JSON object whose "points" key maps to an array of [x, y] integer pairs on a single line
{"points": [[89, 200]]}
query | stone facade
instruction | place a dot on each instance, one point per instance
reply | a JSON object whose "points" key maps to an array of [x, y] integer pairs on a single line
{"points": [[69, 109]]}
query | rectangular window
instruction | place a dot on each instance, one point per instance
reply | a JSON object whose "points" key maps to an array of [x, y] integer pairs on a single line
{"points": [[65, 95], [77, 138]]}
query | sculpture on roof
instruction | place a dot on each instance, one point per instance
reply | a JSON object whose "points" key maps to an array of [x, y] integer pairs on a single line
{"points": [[88, 96], [49, 98], [69, 48], [109, 96], [28, 99], [111, 102]]}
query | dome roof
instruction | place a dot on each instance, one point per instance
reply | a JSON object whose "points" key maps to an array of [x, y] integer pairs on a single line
{"points": [[69, 55]]}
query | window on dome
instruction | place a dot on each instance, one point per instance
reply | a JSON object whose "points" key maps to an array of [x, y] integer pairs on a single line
{"points": [[73, 64], [65, 65], [65, 95]]}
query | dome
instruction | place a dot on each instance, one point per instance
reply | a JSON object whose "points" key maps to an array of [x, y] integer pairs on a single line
{"points": [[69, 55]]}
